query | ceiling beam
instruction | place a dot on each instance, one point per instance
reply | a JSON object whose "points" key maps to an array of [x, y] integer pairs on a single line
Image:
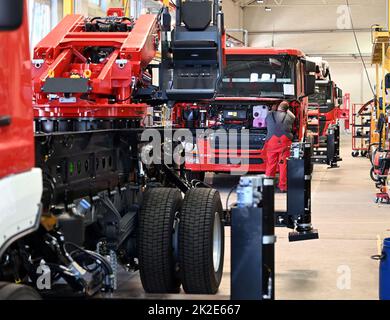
{"points": [[339, 55], [281, 4], [309, 31]]}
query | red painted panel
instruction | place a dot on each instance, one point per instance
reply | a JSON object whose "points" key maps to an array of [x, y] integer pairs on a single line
{"points": [[263, 51], [16, 140], [62, 52]]}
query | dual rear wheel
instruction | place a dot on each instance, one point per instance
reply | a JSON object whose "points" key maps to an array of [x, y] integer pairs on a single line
{"points": [[181, 242]]}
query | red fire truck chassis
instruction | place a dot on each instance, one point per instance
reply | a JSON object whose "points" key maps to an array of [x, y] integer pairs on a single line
{"points": [[255, 81], [100, 206]]}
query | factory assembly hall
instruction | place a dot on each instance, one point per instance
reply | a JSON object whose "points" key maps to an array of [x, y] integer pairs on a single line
{"points": [[194, 150]]}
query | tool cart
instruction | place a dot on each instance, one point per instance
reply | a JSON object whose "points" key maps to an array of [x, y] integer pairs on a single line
{"points": [[361, 126]]}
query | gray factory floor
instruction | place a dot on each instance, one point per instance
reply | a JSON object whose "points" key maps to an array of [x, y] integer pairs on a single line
{"points": [[338, 265]]}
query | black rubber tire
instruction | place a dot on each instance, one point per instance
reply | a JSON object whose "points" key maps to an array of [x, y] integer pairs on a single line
{"points": [[198, 213], [13, 291], [373, 175], [380, 183], [355, 154], [157, 264], [195, 175]]}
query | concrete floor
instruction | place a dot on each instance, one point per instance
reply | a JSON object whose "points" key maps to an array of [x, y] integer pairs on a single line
{"points": [[338, 265]]}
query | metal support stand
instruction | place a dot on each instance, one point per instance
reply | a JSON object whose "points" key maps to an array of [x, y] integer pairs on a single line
{"points": [[328, 152], [253, 223], [253, 240], [333, 146], [299, 193]]}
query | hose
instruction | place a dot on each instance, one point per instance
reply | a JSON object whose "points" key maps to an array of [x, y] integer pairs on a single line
{"points": [[96, 256], [201, 182], [229, 194]]}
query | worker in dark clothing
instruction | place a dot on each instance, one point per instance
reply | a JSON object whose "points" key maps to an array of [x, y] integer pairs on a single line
{"points": [[278, 142]]}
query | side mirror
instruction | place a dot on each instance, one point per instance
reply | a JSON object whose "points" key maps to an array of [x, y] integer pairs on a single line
{"points": [[339, 93], [310, 84], [11, 14], [310, 66]]}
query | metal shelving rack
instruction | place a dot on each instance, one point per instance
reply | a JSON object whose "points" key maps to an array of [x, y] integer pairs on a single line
{"points": [[361, 129]]}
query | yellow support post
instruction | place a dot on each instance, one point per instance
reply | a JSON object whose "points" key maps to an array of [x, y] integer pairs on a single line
{"points": [[126, 6], [377, 88], [383, 76], [68, 7], [381, 60], [388, 15], [384, 72], [375, 112]]}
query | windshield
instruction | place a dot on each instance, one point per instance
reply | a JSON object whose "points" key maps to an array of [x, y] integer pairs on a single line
{"points": [[323, 94], [258, 76]]}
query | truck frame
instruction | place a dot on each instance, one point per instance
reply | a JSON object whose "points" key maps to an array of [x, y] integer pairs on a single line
{"points": [[95, 205]]}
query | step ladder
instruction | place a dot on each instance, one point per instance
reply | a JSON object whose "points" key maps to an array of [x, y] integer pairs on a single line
{"points": [[313, 124]]}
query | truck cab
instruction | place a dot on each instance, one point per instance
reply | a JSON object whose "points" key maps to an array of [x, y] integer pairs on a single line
{"points": [[326, 107], [327, 98], [20, 182], [254, 82]]}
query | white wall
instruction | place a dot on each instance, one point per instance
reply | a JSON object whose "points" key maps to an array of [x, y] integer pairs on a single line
{"points": [[234, 16], [351, 78], [337, 47]]}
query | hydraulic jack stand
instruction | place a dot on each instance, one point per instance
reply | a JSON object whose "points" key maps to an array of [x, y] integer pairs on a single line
{"points": [[298, 215], [328, 151], [253, 223], [253, 240]]}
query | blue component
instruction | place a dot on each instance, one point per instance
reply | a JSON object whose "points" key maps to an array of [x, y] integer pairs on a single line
{"points": [[384, 272], [85, 204]]}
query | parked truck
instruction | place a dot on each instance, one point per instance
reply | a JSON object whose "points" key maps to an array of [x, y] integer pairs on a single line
{"points": [[20, 181], [327, 106], [255, 81]]}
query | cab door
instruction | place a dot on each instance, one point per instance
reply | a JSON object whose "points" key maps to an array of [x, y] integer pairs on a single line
{"points": [[16, 114]]}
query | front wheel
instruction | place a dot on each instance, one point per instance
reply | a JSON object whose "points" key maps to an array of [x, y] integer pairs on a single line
{"points": [[201, 241], [12, 291]]}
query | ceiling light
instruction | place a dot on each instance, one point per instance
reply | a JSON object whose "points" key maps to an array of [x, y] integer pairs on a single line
{"points": [[268, 9], [260, 1]]}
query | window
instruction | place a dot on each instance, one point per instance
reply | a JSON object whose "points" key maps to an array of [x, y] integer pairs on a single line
{"points": [[323, 93], [258, 76], [39, 20]]}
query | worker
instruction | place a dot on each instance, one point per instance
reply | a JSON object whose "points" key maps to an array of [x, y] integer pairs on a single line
{"points": [[278, 142]]}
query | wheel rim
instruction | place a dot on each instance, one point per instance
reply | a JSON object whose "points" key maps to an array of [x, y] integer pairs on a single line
{"points": [[217, 241]]}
